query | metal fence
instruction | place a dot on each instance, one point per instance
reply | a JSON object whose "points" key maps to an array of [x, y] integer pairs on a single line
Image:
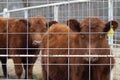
{"points": [[106, 10], [62, 10]]}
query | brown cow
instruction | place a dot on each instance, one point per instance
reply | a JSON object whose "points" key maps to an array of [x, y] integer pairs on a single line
{"points": [[4, 23], [89, 38], [36, 29], [21, 42]]}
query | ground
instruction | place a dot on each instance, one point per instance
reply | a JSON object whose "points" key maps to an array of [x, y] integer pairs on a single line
{"points": [[116, 69], [37, 68]]}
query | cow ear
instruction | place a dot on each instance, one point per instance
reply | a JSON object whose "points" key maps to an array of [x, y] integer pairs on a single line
{"points": [[111, 24], [74, 25], [25, 22], [51, 23]]}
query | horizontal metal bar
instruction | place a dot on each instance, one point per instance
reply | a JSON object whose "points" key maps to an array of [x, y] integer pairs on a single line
{"points": [[1, 13], [69, 56], [48, 5], [59, 48], [63, 64], [59, 64], [68, 32]]}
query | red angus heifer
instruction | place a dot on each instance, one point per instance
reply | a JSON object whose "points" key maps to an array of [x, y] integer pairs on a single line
{"points": [[55, 42], [22, 39], [5, 26], [19, 40], [56, 68], [92, 40]]}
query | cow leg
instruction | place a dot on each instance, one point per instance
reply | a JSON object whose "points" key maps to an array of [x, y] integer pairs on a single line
{"points": [[25, 66], [44, 73], [4, 66], [18, 66], [29, 67]]}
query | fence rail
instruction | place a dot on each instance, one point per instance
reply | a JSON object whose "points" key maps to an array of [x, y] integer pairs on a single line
{"points": [[90, 56], [6, 12]]}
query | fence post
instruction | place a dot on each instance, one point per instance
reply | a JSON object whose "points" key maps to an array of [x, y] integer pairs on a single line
{"points": [[56, 13], [110, 17], [25, 14], [6, 14]]}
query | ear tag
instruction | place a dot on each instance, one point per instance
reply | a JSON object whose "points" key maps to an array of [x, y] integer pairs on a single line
{"points": [[110, 32]]}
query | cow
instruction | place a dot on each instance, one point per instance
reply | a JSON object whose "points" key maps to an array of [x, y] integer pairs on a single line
{"points": [[88, 37], [22, 36], [4, 23], [36, 28]]}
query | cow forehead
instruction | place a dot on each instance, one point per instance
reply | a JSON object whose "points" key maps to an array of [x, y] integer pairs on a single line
{"points": [[92, 30], [92, 25]]}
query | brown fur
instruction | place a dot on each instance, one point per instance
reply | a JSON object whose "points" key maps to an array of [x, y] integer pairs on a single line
{"points": [[73, 22], [56, 72], [81, 41], [36, 30], [17, 40], [4, 24], [50, 23]]}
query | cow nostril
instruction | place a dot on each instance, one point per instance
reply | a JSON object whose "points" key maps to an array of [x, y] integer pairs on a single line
{"points": [[86, 59], [90, 59], [36, 43], [94, 59]]}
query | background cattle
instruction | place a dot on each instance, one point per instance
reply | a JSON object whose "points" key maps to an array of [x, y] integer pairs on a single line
{"points": [[21, 39], [4, 24], [89, 39]]}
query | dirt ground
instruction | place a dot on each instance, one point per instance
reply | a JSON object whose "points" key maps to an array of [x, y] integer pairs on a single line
{"points": [[116, 69], [37, 68]]}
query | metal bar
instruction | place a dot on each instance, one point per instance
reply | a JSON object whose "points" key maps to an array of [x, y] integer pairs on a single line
{"points": [[56, 13], [117, 56], [48, 5], [110, 10]]}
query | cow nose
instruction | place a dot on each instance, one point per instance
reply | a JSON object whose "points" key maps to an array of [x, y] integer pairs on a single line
{"points": [[36, 43], [94, 59], [90, 58]]}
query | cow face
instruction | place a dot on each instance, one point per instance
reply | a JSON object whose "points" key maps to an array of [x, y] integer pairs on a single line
{"points": [[37, 29], [92, 35]]}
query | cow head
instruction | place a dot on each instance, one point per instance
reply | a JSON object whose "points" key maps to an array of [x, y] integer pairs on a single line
{"points": [[37, 29], [92, 35]]}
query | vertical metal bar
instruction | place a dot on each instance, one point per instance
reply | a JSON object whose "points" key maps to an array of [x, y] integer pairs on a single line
{"points": [[110, 17], [110, 10], [89, 15], [27, 33], [7, 38], [48, 58], [68, 16], [5, 13], [26, 14], [56, 13]]}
